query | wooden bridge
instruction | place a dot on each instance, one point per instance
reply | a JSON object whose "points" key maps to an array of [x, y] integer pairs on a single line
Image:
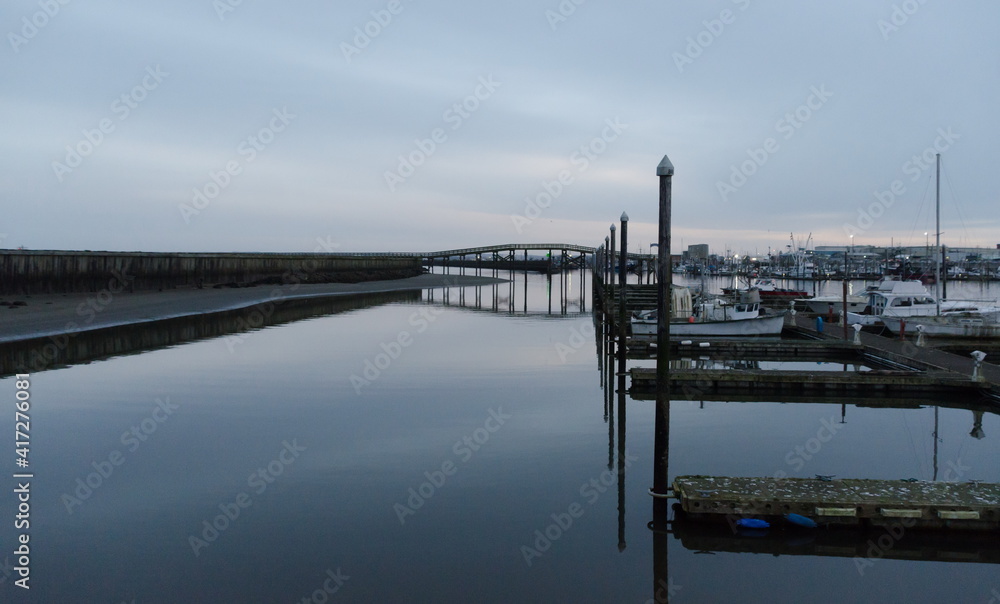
{"points": [[504, 256]]}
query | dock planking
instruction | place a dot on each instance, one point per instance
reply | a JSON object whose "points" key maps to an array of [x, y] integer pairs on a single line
{"points": [[762, 348], [851, 502], [792, 381], [905, 351], [899, 367], [861, 399]]}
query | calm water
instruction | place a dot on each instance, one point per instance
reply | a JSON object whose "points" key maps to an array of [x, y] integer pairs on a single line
{"points": [[497, 421]]}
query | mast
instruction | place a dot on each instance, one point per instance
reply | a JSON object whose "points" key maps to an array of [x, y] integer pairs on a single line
{"points": [[935, 443], [937, 235]]}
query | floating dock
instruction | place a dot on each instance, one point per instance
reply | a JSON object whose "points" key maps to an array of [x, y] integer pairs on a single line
{"points": [[848, 502], [762, 348], [899, 368], [806, 382], [965, 547]]}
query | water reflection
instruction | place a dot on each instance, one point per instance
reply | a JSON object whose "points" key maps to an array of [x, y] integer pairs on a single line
{"points": [[517, 295], [922, 546], [706, 538], [54, 352], [39, 354], [491, 348]]}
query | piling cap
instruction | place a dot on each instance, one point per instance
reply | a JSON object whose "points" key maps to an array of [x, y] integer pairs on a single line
{"points": [[624, 217], [613, 227], [665, 168]]}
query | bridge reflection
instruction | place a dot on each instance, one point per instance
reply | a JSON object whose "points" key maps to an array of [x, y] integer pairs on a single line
{"points": [[510, 294]]}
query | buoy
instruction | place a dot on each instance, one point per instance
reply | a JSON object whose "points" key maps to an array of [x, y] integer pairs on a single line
{"points": [[752, 523], [801, 520]]}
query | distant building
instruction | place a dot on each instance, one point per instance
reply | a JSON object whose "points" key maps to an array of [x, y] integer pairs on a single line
{"points": [[917, 251], [698, 251]]}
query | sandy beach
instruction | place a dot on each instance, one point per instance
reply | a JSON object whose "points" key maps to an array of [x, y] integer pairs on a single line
{"points": [[55, 314]]}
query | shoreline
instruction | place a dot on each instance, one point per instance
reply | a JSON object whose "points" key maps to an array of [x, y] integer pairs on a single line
{"points": [[52, 315]]}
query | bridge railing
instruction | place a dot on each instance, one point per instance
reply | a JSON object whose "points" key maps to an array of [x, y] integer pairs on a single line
{"points": [[569, 247], [505, 247]]}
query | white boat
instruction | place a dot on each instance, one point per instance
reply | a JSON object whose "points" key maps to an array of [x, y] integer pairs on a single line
{"points": [[716, 317], [957, 325], [909, 299], [893, 298], [822, 304]]}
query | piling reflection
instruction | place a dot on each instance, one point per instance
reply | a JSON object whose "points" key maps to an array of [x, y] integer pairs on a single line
{"points": [[613, 385], [513, 294], [621, 461], [707, 538], [614, 354]]}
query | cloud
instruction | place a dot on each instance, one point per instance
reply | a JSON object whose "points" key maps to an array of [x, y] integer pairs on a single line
{"points": [[356, 118]]}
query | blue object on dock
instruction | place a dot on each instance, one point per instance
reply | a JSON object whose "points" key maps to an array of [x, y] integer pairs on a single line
{"points": [[819, 324], [801, 520], [752, 523]]}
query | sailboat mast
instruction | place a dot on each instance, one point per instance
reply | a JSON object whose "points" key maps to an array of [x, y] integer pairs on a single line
{"points": [[935, 443], [937, 235]]}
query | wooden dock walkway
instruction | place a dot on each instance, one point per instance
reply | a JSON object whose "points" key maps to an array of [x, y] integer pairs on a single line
{"points": [[900, 366], [769, 348], [917, 504], [903, 351], [804, 382]]}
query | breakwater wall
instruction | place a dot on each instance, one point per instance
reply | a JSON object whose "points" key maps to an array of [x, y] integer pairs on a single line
{"points": [[39, 272], [48, 352]]}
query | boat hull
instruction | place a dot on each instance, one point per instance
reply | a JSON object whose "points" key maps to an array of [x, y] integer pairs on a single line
{"points": [[769, 325], [945, 326]]}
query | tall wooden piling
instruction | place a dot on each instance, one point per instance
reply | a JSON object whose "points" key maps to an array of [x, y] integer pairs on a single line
{"points": [[622, 278], [664, 280]]}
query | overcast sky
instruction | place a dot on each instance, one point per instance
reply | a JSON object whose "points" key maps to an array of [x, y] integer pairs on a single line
{"points": [[402, 125]]}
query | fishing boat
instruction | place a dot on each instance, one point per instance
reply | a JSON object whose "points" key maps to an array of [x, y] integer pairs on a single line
{"points": [[721, 316], [769, 290]]}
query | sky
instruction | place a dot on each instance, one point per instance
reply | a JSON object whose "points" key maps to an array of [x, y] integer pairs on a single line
{"points": [[402, 125]]}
